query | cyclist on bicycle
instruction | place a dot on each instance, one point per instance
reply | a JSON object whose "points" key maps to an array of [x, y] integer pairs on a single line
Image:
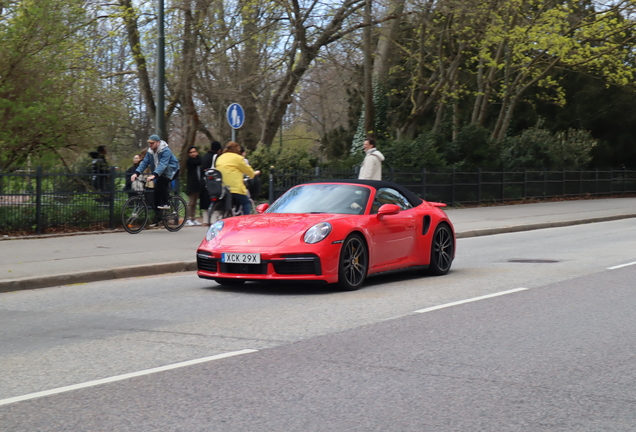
{"points": [[164, 166], [232, 165]]}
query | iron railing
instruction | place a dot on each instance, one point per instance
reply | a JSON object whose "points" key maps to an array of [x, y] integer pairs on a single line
{"points": [[480, 187], [34, 202]]}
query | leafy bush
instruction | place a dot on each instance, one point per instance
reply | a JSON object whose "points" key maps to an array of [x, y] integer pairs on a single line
{"points": [[282, 159], [418, 153], [539, 148], [472, 149]]}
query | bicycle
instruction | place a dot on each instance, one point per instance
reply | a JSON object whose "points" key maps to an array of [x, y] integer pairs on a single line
{"points": [[218, 209], [134, 213]]}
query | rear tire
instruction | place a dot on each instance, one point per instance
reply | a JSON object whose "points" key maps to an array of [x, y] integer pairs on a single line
{"points": [[175, 217], [134, 215], [353, 263], [441, 251], [217, 212]]}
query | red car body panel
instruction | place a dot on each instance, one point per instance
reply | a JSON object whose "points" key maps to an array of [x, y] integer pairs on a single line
{"points": [[394, 241]]}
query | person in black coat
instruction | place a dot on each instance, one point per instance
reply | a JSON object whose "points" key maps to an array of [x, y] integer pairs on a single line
{"points": [[129, 172], [193, 184], [215, 149]]}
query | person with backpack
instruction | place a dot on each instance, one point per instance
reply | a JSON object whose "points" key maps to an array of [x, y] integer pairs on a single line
{"points": [[164, 166], [206, 163], [233, 167]]}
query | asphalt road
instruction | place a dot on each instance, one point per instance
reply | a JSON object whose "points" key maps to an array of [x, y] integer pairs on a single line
{"points": [[555, 356]]}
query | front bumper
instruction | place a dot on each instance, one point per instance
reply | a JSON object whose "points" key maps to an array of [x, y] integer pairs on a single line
{"points": [[282, 266]]}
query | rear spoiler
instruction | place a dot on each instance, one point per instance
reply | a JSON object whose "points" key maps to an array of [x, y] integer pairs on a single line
{"points": [[437, 204]]}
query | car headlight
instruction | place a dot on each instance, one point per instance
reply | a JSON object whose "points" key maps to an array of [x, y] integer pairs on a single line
{"points": [[317, 232], [214, 230]]}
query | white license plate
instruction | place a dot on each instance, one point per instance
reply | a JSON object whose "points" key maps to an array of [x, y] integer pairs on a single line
{"points": [[241, 258]]}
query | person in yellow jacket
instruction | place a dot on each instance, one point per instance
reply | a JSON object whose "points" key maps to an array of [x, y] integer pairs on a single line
{"points": [[233, 167]]}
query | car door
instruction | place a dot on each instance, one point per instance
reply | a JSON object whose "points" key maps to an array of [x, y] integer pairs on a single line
{"points": [[392, 236]]}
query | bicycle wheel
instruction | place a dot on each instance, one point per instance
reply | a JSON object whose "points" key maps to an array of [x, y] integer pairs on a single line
{"points": [[175, 217], [217, 212], [134, 215]]}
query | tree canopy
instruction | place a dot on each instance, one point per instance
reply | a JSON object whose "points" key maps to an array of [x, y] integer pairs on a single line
{"points": [[458, 82]]}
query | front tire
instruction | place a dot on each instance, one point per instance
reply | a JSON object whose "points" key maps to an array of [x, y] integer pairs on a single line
{"points": [[353, 263], [134, 215], [442, 248]]}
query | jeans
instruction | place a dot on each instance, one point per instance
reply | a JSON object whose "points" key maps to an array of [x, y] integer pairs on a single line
{"points": [[243, 201], [161, 191]]}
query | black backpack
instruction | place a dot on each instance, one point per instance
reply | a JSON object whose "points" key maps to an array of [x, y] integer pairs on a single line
{"points": [[214, 182]]}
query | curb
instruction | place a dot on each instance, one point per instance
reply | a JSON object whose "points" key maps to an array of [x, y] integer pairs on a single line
{"points": [[9, 285], [542, 225], [27, 283]]}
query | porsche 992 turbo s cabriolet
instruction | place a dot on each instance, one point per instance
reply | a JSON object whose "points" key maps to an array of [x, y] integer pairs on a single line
{"points": [[337, 232]]}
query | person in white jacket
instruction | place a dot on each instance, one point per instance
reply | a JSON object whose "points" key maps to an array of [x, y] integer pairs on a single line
{"points": [[372, 164]]}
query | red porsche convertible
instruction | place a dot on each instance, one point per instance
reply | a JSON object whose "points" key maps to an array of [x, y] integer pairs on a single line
{"points": [[331, 231]]}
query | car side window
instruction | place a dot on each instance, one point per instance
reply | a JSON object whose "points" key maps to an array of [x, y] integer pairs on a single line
{"points": [[389, 196]]}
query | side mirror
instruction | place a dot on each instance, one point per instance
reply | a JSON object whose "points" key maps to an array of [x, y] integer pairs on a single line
{"points": [[388, 209], [261, 208]]}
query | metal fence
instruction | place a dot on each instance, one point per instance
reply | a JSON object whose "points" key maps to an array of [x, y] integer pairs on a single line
{"points": [[480, 187], [35, 202], [38, 203]]}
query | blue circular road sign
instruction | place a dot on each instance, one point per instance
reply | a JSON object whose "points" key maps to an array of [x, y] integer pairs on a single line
{"points": [[235, 116]]}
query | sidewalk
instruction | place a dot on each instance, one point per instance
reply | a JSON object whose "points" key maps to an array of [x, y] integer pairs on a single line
{"points": [[51, 261]]}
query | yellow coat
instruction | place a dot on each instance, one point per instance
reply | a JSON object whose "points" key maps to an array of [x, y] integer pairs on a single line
{"points": [[233, 168]]}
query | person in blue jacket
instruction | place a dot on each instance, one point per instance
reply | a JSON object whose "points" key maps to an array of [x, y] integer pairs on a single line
{"points": [[164, 166]]}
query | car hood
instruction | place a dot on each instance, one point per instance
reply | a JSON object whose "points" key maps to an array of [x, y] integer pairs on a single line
{"points": [[269, 229]]}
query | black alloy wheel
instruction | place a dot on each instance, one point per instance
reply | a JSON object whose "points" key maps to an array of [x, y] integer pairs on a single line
{"points": [[441, 250], [354, 263]]}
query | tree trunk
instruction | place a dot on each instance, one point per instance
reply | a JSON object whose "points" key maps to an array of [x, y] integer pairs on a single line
{"points": [[301, 55], [369, 111], [130, 20], [191, 20]]}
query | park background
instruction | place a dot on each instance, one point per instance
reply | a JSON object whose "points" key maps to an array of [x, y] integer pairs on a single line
{"points": [[444, 86]]}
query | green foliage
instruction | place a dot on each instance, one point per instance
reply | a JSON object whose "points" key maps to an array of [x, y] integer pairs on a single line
{"points": [[539, 148], [473, 148], [286, 158], [50, 94], [418, 153], [336, 144]]}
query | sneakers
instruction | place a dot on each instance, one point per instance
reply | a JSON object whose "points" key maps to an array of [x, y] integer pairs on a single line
{"points": [[196, 222], [190, 223], [164, 207]]}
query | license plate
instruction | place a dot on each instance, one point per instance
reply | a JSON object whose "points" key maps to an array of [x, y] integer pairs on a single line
{"points": [[241, 258]]}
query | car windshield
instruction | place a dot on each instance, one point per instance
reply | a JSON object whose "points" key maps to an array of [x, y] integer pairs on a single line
{"points": [[323, 198]]}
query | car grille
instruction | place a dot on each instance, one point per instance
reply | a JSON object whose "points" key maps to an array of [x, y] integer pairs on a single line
{"points": [[244, 268], [298, 265], [207, 263], [288, 265]]}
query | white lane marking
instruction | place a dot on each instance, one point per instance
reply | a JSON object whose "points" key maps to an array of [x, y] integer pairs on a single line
{"points": [[474, 299], [622, 265], [122, 377]]}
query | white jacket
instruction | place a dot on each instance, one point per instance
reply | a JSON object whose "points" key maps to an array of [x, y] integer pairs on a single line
{"points": [[372, 165]]}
